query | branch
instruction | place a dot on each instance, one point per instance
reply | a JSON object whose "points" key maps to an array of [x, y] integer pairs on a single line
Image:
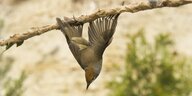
{"points": [[152, 4]]}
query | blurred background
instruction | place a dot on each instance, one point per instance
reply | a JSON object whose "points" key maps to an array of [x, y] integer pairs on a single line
{"points": [[150, 54]]}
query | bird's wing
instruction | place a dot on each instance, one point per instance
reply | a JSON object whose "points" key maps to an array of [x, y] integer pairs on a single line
{"points": [[73, 36], [101, 32]]}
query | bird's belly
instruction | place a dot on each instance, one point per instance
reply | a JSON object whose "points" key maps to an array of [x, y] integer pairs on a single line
{"points": [[89, 57]]}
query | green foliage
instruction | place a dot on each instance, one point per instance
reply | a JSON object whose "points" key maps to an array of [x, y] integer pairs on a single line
{"points": [[10, 87], [15, 87], [152, 69]]}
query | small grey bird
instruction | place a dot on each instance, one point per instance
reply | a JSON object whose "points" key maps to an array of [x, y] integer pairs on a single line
{"points": [[89, 53]]}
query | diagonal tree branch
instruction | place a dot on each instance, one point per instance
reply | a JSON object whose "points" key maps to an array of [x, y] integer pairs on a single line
{"points": [[151, 4]]}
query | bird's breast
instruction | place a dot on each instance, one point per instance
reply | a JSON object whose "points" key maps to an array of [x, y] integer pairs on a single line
{"points": [[89, 57]]}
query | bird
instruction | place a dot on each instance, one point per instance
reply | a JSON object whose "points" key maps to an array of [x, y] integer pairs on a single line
{"points": [[89, 53]]}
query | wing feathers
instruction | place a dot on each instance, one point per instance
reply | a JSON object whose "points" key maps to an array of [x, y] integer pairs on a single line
{"points": [[100, 32], [102, 29]]}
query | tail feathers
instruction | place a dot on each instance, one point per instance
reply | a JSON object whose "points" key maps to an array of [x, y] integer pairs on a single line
{"points": [[68, 30]]}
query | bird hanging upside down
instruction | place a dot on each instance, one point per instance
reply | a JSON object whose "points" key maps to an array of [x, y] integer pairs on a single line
{"points": [[89, 53]]}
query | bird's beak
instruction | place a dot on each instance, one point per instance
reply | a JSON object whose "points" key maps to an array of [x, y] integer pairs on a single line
{"points": [[87, 86]]}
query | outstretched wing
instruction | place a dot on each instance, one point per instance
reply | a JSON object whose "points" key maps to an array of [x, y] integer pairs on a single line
{"points": [[101, 32], [73, 36]]}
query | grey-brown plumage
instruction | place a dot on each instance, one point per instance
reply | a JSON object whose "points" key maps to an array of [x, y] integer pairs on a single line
{"points": [[89, 53]]}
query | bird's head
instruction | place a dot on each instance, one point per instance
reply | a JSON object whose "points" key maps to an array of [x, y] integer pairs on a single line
{"points": [[90, 75]]}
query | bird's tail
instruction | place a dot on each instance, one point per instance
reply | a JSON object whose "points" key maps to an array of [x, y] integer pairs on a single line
{"points": [[68, 30]]}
